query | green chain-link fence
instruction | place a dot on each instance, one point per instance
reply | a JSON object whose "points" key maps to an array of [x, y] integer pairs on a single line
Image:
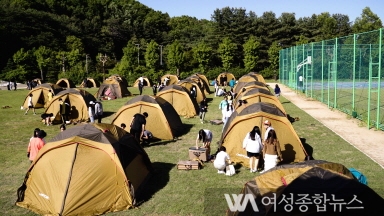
{"points": [[344, 73]]}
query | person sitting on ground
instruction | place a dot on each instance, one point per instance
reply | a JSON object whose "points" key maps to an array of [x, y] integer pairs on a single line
{"points": [[220, 92], [146, 138], [47, 118], [222, 160]]}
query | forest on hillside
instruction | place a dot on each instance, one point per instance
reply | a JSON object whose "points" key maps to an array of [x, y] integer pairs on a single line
{"points": [[50, 39]]}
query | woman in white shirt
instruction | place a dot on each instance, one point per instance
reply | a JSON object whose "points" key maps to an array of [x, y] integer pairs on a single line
{"points": [[253, 145], [222, 160]]}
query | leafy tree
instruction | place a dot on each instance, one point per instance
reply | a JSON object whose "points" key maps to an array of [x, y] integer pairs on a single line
{"points": [[328, 26], [23, 62], [273, 58], [152, 55], [128, 62], [43, 57], [227, 51], [251, 48], [367, 22], [202, 53], [175, 55], [302, 40]]}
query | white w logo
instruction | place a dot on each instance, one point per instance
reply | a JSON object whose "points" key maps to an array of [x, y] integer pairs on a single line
{"points": [[237, 205]]}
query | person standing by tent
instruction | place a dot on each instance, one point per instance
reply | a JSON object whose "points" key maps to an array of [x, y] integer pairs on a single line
{"points": [[166, 79], [271, 151], [91, 111], [222, 160], [232, 83], [98, 111], [193, 92], [137, 125], [223, 107], [140, 87], [228, 112], [30, 105], [50, 95], [203, 109], [268, 127], [35, 144], [64, 110], [15, 85], [206, 137], [216, 85], [154, 89], [253, 145], [277, 90]]}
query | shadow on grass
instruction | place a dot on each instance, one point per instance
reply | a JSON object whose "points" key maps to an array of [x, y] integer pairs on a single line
{"points": [[107, 114], [285, 102], [186, 129], [308, 148], [159, 180], [159, 142]]}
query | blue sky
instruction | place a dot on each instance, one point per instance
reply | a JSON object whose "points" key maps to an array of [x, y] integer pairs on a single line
{"points": [[202, 9]]}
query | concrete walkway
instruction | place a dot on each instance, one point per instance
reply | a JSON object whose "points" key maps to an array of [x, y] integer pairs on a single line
{"points": [[370, 142]]}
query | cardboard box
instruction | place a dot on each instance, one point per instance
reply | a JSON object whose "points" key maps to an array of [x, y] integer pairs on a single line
{"points": [[200, 153], [188, 165]]}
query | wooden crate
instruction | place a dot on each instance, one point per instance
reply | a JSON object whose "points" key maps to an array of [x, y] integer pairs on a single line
{"points": [[188, 165], [200, 153]]}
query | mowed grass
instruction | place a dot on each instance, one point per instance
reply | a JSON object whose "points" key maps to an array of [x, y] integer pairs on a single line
{"points": [[169, 191]]}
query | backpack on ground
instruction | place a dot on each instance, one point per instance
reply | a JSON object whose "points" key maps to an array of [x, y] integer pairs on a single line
{"points": [[359, 176]]}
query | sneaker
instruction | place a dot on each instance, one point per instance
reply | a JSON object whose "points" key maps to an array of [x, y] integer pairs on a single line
{"points": [[220, 172], [262, 171], [25, 113], [251, 170]]}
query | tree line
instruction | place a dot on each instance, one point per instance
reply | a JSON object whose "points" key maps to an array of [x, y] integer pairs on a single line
{"points": [[76, 39]]}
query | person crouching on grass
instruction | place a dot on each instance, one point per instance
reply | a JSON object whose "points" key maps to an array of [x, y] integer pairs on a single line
{"points": [[222, 160]]}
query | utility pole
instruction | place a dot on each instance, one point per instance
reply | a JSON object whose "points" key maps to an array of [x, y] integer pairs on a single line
{"points": [[138, 53], [86, 63], [63, 60], [161, 54], [103, 59]]}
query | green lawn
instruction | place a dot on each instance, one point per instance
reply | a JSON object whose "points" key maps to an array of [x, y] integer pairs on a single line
{"points": [[170, 191]]}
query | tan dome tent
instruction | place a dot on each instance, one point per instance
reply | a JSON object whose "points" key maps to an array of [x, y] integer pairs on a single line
{"points": [[240, 123], [188, 83], [65, 83], [90, 169], [314, 178], [78, 101], [163, 120], [203, 77], [203, 84], [112, 88], [255, 95], [227, 77], [90, 83], [180, 99], [173, 79], [248, 78], [147, 82], [240, 85], [259, 89], [118, 78], [40, 95], [260, 77]]}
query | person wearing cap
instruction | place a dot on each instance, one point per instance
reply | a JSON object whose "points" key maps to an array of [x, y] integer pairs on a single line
{"points": [[137, 125], [268, 127], [91, 111]]}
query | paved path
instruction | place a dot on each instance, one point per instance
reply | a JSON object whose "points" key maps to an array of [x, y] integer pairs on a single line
{"points": [[370, 142]]}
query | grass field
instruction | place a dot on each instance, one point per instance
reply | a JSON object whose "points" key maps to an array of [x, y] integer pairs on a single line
{"points": [[170, 191]]}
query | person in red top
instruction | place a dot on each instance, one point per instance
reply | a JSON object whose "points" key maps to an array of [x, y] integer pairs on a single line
{"points": [[35, 144]]}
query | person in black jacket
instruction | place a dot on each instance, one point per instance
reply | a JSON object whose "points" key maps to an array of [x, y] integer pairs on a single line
{"points": [[137, 125]]}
